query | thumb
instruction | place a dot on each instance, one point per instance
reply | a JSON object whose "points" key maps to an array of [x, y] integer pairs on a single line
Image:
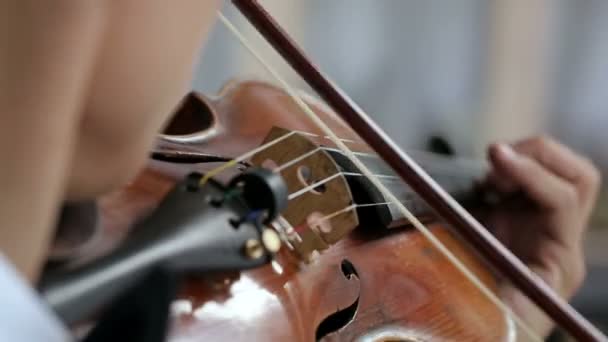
{"points": [[541, 185]]}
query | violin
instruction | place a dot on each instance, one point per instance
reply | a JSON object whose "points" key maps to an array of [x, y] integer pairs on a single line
{"points": [[352, 265]]}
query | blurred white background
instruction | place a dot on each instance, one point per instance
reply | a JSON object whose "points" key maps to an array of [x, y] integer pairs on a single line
{"points": [[472, 70]]}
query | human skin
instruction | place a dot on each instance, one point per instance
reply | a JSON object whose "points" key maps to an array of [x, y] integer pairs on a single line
{"points": [[84, 87], [549, 193]]}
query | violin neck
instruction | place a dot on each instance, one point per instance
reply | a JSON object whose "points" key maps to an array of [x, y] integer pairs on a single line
{"points": [[457, 176]]}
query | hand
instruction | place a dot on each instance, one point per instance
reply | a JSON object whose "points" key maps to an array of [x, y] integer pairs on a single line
{"points": [[548, 193]]}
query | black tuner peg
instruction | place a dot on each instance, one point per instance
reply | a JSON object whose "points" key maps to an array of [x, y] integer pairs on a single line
{"points": [[263, 190], [193, 181], [438, 144]]}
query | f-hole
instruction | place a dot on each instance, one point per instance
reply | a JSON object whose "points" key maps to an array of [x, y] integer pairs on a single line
{"points": [[340, 318]]}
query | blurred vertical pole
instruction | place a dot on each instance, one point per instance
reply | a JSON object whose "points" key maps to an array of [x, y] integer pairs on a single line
{"points": [[515, 82]]}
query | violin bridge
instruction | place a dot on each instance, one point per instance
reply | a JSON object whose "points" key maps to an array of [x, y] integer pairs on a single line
{"points": [[319, 199]]}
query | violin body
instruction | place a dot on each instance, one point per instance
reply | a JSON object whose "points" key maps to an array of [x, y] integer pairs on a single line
{"points": [[372, 284]]}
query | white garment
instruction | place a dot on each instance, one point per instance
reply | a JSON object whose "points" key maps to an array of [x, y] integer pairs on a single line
{"points": [[23, 314]]}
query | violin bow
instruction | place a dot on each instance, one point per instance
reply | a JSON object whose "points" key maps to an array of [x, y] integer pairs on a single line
{"points": [[471, 230]]}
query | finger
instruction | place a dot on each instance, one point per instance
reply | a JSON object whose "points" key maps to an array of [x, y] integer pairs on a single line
{"points": [[544, 187], [501, 183], [562, 161]]}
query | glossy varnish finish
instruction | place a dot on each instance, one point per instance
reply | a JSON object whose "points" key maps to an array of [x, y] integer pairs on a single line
{"points": [[404, 287]]}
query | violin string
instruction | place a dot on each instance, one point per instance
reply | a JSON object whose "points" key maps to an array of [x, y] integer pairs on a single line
{"points": [[292, 162], [350, 141], [377, 175], [247, 155], [438, 167], [320, 182], [316, 184], [303, 156], [251, 153], [243, 157], [357, 153], [383, 190], [439, 162], [318, 221]]}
